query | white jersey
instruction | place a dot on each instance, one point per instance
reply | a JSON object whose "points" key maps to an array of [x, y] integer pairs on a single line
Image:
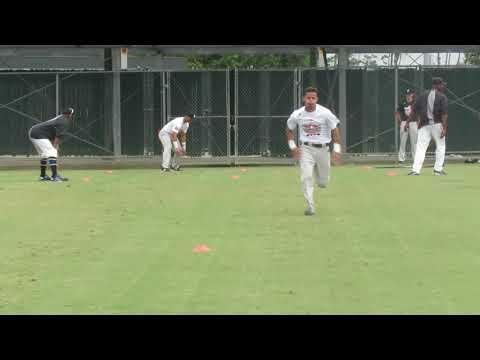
{"points": [[175, 125], [315, 126]]}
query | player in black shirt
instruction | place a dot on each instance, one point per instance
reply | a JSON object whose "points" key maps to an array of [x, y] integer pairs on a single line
{"points": [[403, 116], [45, 137]]}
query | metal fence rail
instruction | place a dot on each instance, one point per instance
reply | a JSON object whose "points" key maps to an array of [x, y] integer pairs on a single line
{"points": [[240, 113]]}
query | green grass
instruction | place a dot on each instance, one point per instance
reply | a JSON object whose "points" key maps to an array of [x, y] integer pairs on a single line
{"points": [[122, 243]]}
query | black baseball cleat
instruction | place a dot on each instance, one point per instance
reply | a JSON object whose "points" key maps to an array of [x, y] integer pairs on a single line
{"points": [[165, 169], [439, 173], [309, 211], [413, 173], [176, 167], [59, 178], [44, 178]]}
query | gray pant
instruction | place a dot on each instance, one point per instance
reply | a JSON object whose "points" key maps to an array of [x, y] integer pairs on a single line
{"points": [[413, 133], [167, 151], [314, 163]]}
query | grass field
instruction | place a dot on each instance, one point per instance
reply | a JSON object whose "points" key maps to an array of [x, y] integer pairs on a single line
{"points": [[122, 242]]}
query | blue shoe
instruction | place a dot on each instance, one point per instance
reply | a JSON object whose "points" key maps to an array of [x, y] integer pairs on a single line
{"points": [[59, 178], [44, 178]]}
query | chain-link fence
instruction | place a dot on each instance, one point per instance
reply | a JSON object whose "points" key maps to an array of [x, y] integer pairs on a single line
{"points": [[207, 95], [91, 130], [264, 100], [24, 98], [240, 113]]}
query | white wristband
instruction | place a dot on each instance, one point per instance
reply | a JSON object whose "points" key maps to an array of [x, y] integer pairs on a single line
{"points": [[184, 146], [337, 148], [292, 145], [175, 143]]}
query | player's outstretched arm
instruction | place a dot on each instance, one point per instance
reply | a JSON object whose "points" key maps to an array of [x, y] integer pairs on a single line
{"points": [[291, 144], [444, 125], [337, 148], [183, 140], [177, 147]]}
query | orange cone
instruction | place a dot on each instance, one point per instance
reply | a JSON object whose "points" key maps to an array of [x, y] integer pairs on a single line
{"points": [[201, 249]]}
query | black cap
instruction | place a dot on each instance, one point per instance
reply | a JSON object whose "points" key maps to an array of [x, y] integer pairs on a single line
{"points": [[409, 91], [192, 116], [438, 81]]}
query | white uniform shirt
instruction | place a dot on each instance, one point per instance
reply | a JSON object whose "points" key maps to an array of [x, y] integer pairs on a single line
{"points": [[430, 102], [315, 126], [174, 126], [408, 110]]}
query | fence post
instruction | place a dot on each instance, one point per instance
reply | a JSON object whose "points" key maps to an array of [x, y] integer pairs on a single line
{"points": [[116, 103], [206, 101], [168, 88], [227, 104], [396, 104], [147, 97], [342, 92], [57, 93], [236, 114], [265, 103]]}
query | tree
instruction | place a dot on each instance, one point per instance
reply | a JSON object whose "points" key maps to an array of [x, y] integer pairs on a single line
{"points": [[272, 61], [369, 59], [472, 58], [243, 61]]}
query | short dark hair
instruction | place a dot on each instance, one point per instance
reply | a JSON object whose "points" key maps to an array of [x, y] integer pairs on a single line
{"points": [[311, 89], [438, 81]]}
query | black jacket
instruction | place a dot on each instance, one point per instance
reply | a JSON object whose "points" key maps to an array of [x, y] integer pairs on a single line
{"points": [[440, 107]]}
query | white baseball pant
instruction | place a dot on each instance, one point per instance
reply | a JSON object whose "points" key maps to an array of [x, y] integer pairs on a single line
{"points": [[413, 134], [314, 163], [425, 135], [167, 150], [44, 148]]}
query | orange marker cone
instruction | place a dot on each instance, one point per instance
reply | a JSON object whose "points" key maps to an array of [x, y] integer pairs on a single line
{"points": [[201, 249]]}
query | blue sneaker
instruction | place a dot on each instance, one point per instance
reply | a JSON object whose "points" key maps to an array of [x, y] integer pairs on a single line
{"points": [[59, 178], [44, 178]]}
